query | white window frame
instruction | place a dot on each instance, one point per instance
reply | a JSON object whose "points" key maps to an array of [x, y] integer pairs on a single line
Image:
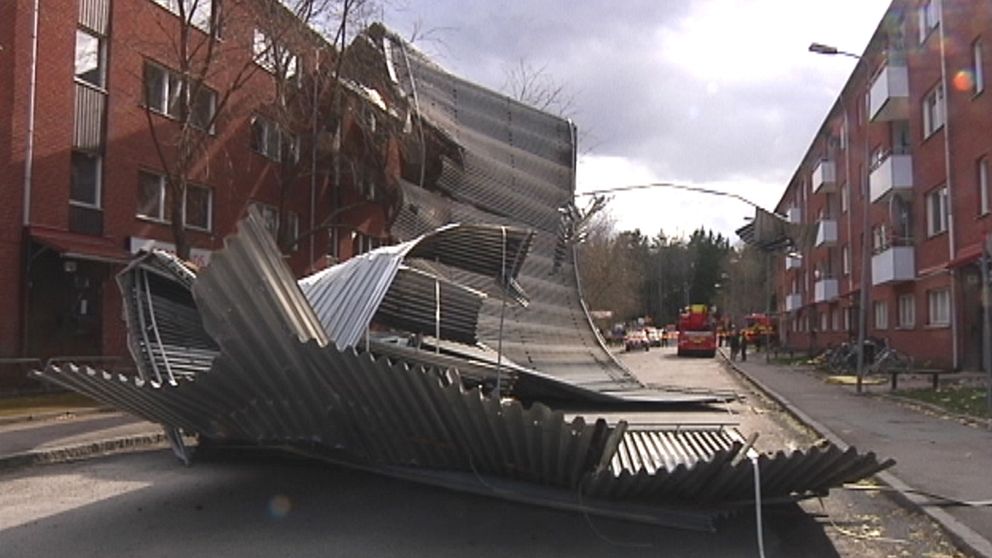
{"points": [[210, 208], [982, 178], [881, 312], [907, 311], [845, 259], [200, 15], [163, 210], [936, 206], [845, 198], [101, 59], [170, 81], [837, 318], [266, 54], [929, 18], [939, 307], [933, 111], [977, 67], [98, 188]]}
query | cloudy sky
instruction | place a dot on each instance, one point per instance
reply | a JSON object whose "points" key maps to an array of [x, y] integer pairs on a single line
{"points": [[715, 93]]}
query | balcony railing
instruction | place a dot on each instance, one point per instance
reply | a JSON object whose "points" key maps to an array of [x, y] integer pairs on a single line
{"points": [[794, 215], [893, 264], [893, 174], [793, 302], [889, 96], [824, 177], [793, 263], [825, 289], [826, 233]]}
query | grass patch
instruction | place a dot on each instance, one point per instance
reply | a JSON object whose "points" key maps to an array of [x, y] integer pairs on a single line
{"points": [[958, 400], [32, 404]]}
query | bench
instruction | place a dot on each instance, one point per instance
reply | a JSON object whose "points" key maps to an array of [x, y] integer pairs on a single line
{"points": [[934, 374]]}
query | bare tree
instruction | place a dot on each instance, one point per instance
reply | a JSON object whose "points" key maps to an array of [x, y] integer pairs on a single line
{"points": [[205, 76], [611, 268], [535, 86]]}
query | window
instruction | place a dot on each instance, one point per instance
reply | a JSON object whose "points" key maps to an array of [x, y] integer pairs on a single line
{"points": [[879, 238], [982, 179], [845, 259], [907, 311], [270, 217], [847, 318], [881, 315], [274, 57], [976, 67], [939, 306], [153, 197], [929, 16], [90, 58], [293, 228], [838, 323], [85, 179], [933, 111], [164, 94], [824, 321], [268, 140], [196, 12], [198, 207], [937, 211], [845, 198], [154, 204]]}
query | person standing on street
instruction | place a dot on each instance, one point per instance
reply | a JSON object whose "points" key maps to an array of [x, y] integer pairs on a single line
{"points": [[743, 343], [735, 344]]}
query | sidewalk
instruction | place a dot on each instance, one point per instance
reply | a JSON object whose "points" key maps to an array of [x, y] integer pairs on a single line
{"points": [[69, 437], [935, 455]]}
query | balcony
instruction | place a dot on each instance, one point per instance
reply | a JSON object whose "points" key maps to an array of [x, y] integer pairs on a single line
{"points": [[889, 96], [793, 263], [826, 233], [893, 174], [825, 289], [793, 302], [794, 215], [824, 177], [894, 264]]}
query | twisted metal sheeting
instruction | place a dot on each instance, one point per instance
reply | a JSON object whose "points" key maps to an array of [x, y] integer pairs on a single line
{"points": [[515, 167], [278, 381], [347, 296]]}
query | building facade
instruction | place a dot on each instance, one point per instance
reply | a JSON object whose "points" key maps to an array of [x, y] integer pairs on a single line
{"points": [[90, 129], [901, 166]]}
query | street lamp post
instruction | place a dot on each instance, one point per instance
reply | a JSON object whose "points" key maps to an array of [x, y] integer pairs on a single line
{"points": [[819, 48]]}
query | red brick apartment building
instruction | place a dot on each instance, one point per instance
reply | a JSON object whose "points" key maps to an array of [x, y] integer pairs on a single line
{"points": [[910, 135], [81, 179]]}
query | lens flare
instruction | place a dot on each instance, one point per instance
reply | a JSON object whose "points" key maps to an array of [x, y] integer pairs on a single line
{"points": [[964, 80], [279, 506]]}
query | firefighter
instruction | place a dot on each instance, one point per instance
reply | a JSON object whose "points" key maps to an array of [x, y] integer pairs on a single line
{"points": [[735, 343]]}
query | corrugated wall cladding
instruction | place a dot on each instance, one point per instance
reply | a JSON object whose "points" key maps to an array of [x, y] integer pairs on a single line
{"points": [[95, 15], [89, 113]]}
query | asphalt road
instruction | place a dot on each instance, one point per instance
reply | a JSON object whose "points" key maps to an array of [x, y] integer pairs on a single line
{"points": [[251, 504]]}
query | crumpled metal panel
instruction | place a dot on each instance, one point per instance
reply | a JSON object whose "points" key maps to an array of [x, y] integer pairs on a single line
{"points": [[347, 296], [278, 381]]}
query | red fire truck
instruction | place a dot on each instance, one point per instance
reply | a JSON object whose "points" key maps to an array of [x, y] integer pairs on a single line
{"points": [[697, 334], [758, 328]]}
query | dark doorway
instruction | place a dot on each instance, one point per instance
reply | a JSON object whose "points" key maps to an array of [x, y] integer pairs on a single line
{"points": [[65, 301], [971, 318]]}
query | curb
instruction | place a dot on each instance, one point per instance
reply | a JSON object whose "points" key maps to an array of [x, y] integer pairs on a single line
{"points": [[49, 415], [78, 452], [964, 537]]}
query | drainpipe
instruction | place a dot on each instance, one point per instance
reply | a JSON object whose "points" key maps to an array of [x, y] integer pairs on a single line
{"points": [[952, 248], [29, 147]]}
